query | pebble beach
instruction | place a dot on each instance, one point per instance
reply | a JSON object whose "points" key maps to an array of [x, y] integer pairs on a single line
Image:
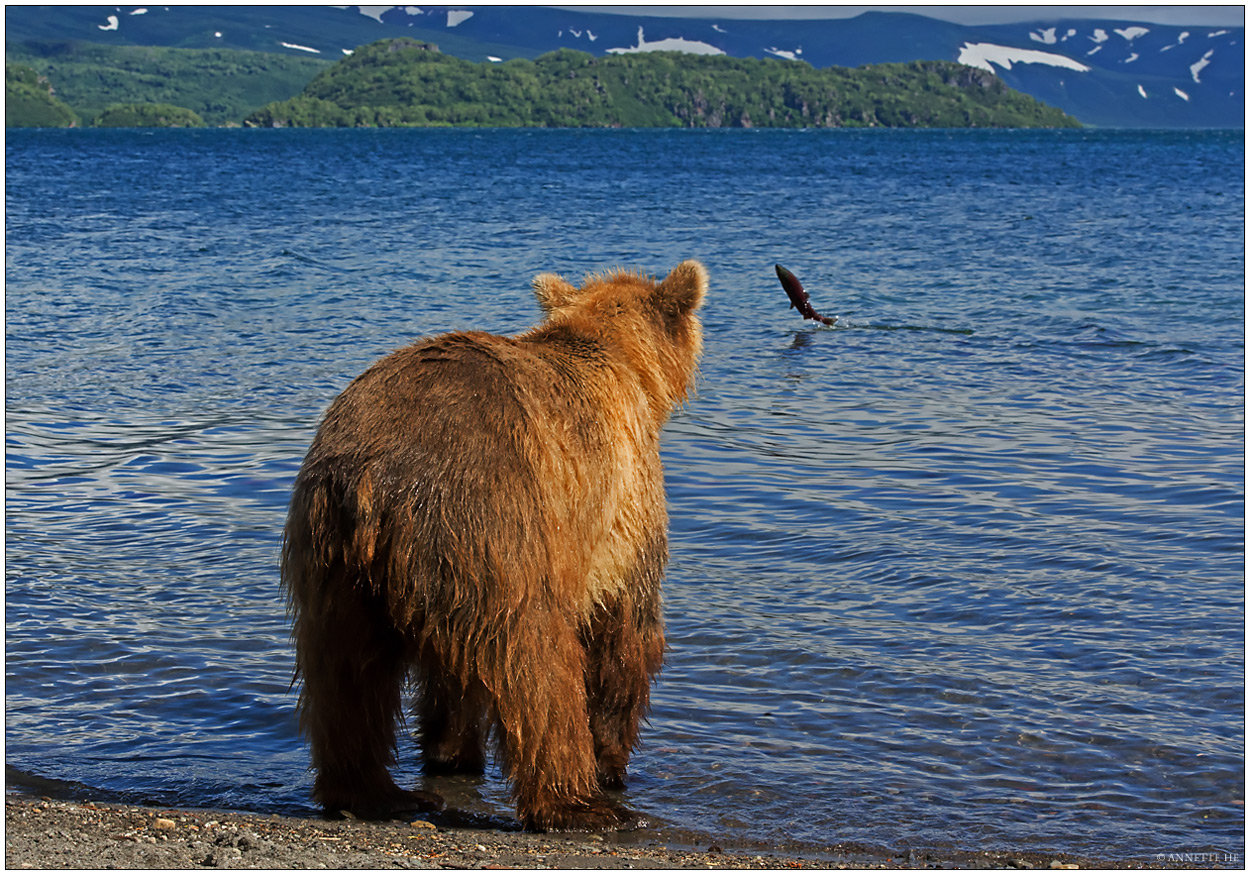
{"points": [[44, 833]]}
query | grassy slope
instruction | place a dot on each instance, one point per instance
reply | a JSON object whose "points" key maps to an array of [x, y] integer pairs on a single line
{"points": [[30, 103], [221, 85]]}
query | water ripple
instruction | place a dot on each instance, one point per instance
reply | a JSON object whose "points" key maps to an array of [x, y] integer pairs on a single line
{"points": [[966, 568]]}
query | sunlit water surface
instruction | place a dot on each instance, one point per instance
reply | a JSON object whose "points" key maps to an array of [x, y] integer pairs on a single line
{"points": [[964, 570]]}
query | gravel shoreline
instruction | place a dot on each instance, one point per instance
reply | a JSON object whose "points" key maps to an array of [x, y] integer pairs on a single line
{"points": [[44, 833], [52, 834]]}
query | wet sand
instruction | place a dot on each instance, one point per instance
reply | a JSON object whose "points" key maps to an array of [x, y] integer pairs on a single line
{"points": [[44, 833]]}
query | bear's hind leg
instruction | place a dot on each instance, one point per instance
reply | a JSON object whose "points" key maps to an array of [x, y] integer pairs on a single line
{"points": [[453, 719], [352, 662]]}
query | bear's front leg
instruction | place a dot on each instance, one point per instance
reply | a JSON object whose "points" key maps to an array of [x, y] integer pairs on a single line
{"points": [[624, 643]]}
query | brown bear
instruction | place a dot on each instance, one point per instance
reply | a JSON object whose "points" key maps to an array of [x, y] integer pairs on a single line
{"points": [[484, 516]]}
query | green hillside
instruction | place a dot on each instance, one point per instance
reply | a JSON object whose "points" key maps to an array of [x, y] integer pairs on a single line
{"points": [[147, 115], [220, 85], [403, 82], [30, 103]]}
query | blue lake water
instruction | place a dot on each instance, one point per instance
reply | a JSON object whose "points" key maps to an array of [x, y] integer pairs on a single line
{"points": [[966, 569]]}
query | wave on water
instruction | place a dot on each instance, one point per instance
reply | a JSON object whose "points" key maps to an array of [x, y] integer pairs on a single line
{"points": [[966, 570]]}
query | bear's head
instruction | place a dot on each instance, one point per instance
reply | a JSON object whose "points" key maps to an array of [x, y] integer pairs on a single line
{"points": [[652, 325]]}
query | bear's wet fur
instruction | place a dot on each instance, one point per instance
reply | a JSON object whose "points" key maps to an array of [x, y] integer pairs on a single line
{"points": [[484, 517]]}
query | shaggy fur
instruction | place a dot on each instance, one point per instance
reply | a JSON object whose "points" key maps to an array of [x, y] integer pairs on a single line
{"points": [[485, 516]]}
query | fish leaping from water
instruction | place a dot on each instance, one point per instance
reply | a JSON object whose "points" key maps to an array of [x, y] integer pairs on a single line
{"points": [[798, 298]]}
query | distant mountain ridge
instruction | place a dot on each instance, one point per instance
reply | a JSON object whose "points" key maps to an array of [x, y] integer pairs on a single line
{"points": [[1103, 72]]}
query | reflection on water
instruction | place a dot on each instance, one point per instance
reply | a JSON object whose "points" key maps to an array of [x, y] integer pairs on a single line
{"points": [[964, 568]]}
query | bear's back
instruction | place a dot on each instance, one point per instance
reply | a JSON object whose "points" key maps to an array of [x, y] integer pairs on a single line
{"points": [[472, 388], [507, 453]]}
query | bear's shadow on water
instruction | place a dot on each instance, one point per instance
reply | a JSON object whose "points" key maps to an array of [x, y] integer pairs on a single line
{"points": [[468, 804]]}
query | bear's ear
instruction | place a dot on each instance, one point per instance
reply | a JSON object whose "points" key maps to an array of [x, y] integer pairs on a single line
{"points": [[682, 291], [553, 291]]}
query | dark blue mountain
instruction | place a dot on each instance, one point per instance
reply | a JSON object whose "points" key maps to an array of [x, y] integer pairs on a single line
{"points": [[1105, 73]]}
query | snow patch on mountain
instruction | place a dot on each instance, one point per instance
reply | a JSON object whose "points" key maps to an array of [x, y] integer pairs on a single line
{"points": [[784, 53], [113, 23], [984, 55], [1141, 91], [375, 12], [1100, 35], [1132, 33], [1181, 94], [672, 44], [1046, 36], [1197, 67], [456, 17]]}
